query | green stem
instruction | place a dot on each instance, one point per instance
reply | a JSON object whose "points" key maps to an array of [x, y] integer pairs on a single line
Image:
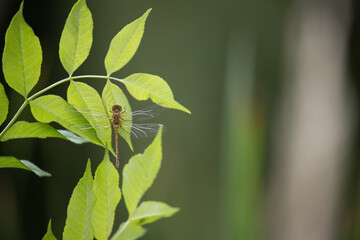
{"points": [[26, 102], [97, 76], [14, 118], [49, 87]]}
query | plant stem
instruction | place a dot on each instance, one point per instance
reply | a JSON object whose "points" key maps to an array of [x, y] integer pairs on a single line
{"points": [[26, 102], [14, 118], [49, 87]]}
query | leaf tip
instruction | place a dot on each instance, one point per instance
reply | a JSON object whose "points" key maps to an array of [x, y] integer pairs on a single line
{"points": [[21, 7], [88, 165], [146, 14], [187, 110], [49, 225]]}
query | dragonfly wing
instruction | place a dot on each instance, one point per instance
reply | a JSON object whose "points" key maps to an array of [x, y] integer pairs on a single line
{"points": [[142, 130], [144, 114]]}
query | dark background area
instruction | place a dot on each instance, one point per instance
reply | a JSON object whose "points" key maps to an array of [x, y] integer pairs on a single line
{"points": [[230, 164]]}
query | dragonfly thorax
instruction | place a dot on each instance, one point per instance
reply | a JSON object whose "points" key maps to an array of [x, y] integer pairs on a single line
{"points": [[116, 116]]}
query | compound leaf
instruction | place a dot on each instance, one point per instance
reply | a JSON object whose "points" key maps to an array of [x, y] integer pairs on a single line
{"points": [[79, 212], [140, 173], [76, 38], [143, 86], [124, 45], [107, 191], [22, 55]]}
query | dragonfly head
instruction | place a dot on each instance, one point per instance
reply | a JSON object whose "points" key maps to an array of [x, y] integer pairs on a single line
{"points": [[116, 108]]}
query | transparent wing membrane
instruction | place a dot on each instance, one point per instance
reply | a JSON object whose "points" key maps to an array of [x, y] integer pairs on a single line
{"points": [[145, 114], [131, 122], [142, 130]]}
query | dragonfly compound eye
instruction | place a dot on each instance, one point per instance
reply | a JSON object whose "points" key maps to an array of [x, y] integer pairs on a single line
{"points": [[116, 108]]}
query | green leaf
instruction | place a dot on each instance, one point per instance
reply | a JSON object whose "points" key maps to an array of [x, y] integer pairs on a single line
{"points": [[107, 191], [72, 137], [51, 108], [151, 211], [140, 173], [124, 45], [143, 86], [4, 104], [12, 162], [22, 55], [81, 205], [23, 129], [49, 235], [87, 100], [76, 38], [128, 231], [112, 95]]}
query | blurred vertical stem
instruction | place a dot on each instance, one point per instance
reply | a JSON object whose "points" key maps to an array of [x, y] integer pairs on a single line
{"points": [[242, 144]]}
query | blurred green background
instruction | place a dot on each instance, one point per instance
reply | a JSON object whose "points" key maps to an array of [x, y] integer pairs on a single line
{"points": [[271, 150]]}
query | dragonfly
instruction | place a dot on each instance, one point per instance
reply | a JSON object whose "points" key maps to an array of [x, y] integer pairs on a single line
{"points": [[131, 123]]}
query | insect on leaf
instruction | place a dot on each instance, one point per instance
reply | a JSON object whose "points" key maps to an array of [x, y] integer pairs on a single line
{"points": [[81, 205], [140, 173], [112, 95], [22, 55], [13, 162], [124, 45], [108, 195], [76, 38], [4, 104]]}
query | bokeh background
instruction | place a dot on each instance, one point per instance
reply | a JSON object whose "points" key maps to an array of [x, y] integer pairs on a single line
{"points": [[271, 150]]}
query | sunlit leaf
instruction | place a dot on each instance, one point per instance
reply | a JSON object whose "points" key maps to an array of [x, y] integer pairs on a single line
{"points": [[4, 104], [124, 45], [76, 38], [52, 108], [112, 95], [82, 96], [151, 211], [128, 231], [22, 55], [140, 173], [79, 212], [107, 191], [23, 129], [143, 86], [12, 162], [49, 234]]}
